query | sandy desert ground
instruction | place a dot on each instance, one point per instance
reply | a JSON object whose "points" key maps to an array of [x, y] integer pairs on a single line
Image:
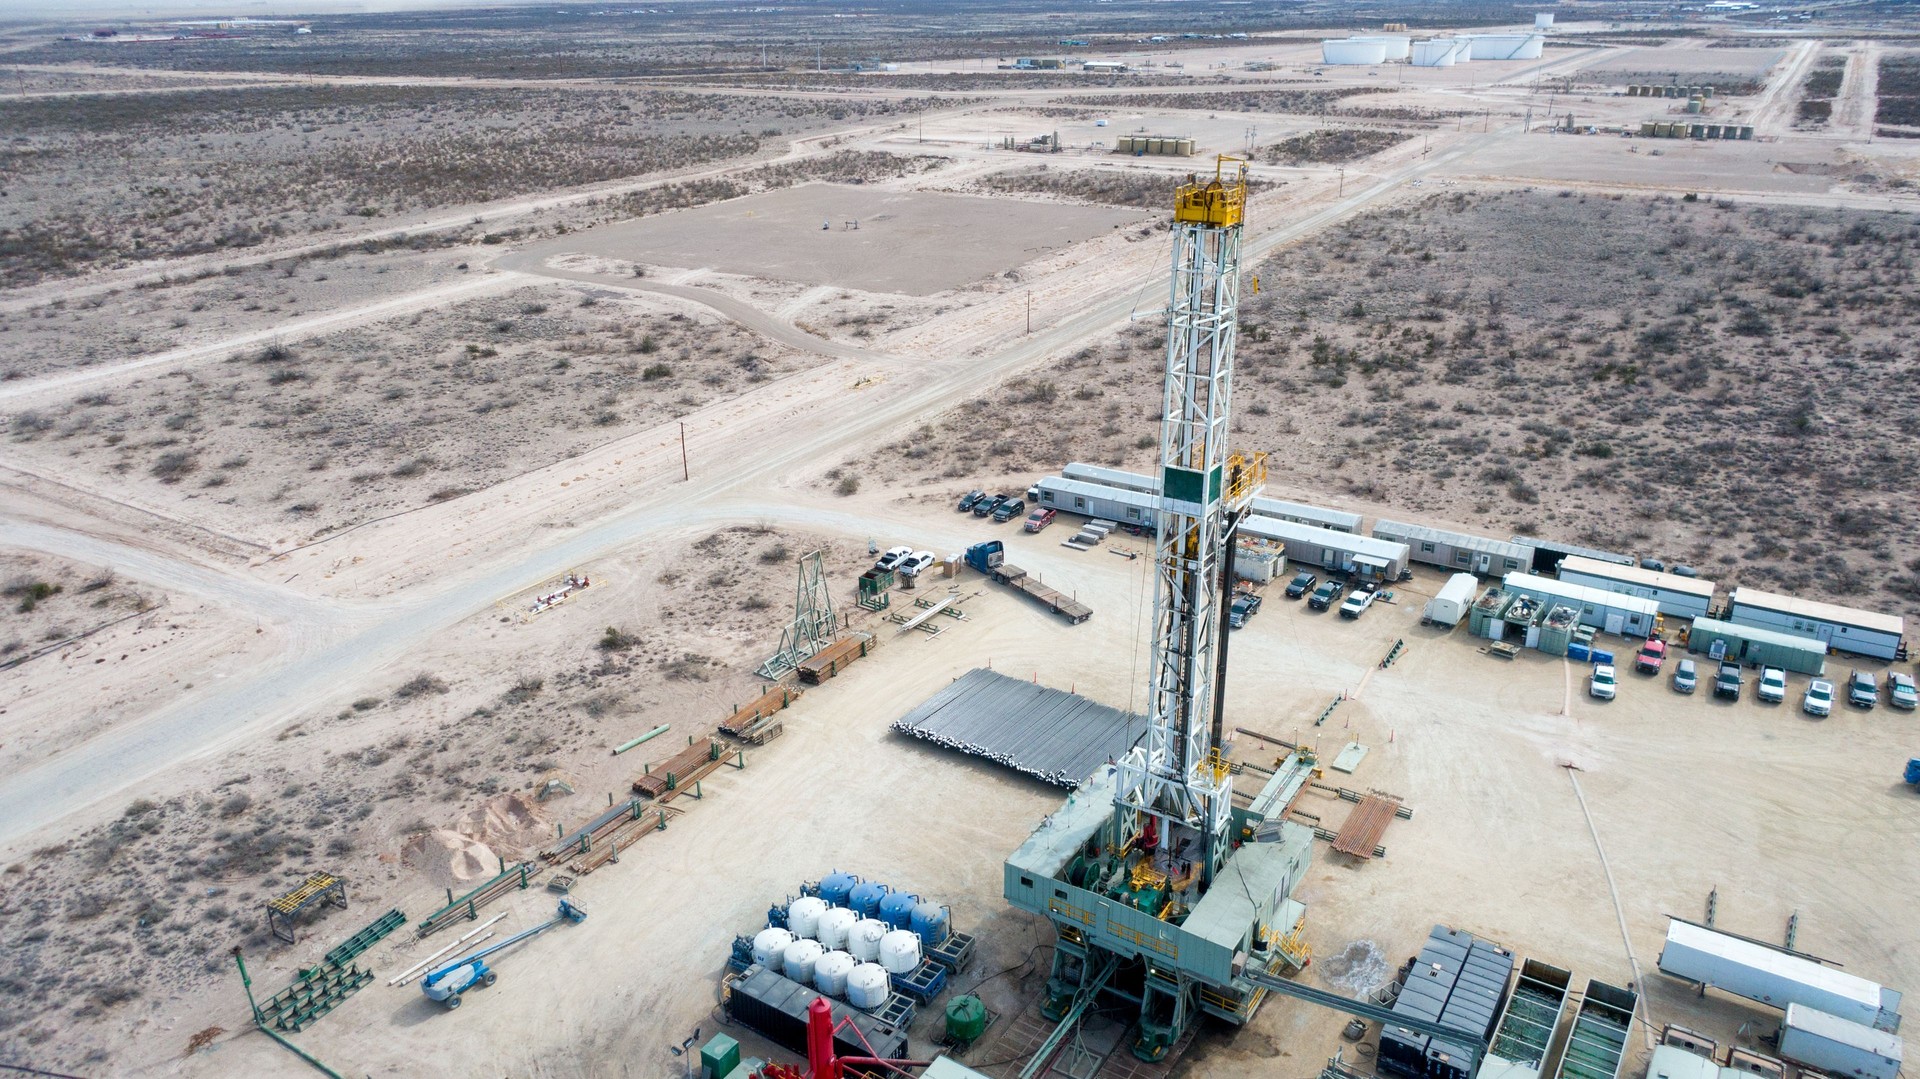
{"points": [[302, 420]]}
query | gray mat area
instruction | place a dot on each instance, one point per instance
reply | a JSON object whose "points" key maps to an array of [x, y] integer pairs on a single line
{"points": [[1053, 736]]}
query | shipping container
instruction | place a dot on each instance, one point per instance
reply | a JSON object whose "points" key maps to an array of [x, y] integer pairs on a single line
{"points": [[1773, 976], [1837, 1047]]}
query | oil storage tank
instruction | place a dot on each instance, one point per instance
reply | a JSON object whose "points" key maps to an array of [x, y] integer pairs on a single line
{"points": [[1508, 46], [836, 887], [1353, 51], [835, 925], [1435, 53], [896, 909], [865, 897], [1398, 45], [800, 958], [770, 948], [830, 973], [899, 952]]}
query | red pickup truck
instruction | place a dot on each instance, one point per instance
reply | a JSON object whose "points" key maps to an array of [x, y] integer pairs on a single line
{"points": [[1652, 654], [1040, 519]]}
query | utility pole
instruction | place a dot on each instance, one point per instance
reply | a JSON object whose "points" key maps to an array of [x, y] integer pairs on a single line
{"points": [[1343, 183], [685, 474], [1029, 312]]}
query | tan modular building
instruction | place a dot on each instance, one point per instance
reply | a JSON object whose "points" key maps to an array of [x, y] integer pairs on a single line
{"points": [[1681, 597], [1844, 629]]}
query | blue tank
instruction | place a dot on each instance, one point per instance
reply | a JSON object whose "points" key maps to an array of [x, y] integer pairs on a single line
{"points": [[929, 923], [896, 909], [836, 886], [865, 898]]}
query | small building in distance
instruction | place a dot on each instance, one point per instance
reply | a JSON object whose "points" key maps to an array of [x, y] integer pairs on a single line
{"points": [[1323, 548], [1624, 616], [1844, 629], [1483, 555], [1756, 647], [1682, 597], [1098, 500], [1301, 513]]}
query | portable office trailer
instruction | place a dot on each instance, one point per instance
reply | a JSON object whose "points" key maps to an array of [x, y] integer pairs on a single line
{"points": [[1548, 553], [1757, 647], [1628, 616], [1845, 629], [1773, 976], [1597, 1044], [1323, 548], [1838, 1047], [1483, 555], [1096, 500], [1110, 477], [1303, 514], [1449, 605], [1682, 597]]}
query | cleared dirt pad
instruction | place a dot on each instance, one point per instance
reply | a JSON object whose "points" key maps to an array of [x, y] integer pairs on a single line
{"points": [[778, 234]]}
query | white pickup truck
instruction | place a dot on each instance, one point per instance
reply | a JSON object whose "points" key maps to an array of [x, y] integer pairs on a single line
{"points": [[1361, 598]]}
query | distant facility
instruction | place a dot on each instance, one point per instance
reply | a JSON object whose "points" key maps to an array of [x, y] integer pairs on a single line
{"points": [[1442, 52], [1508, 46], [1543, 20]]}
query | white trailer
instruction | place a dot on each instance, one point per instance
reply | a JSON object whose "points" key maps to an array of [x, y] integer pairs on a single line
{"points": [[1769, 975], [1843, 629], [1837, 1047], [1681, 597], [1449, 605]]}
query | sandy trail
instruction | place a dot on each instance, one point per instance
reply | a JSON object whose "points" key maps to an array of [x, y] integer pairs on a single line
{"points": [[1773, 110], [1859, 95]]}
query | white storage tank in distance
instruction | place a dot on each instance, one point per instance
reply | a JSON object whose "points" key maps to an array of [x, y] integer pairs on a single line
{"points": [[1351, 51], [800, 959], [899, 951], [835, 924], [868, 986], [830, 973], [770, 948], [803, 915]]}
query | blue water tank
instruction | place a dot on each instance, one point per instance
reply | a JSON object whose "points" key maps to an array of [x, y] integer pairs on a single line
{"points": [[836, 886], [896, 909], [929, 923], [865, 898]]}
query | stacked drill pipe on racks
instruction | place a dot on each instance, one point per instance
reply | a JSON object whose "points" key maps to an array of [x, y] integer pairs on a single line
{"points": [[624, 834], [677, 771], [468, 906], [584, 840], [755, 724]]}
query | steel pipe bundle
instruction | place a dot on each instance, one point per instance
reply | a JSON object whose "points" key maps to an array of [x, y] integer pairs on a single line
{"points": [[1055, 737]]}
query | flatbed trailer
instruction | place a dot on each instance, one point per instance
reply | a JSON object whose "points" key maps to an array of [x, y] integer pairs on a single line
{"points": [[1052, 598]]}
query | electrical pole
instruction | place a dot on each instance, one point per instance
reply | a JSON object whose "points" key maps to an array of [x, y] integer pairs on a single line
{"points": [[1343, 183], [685, 474], [1029, 312]]}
